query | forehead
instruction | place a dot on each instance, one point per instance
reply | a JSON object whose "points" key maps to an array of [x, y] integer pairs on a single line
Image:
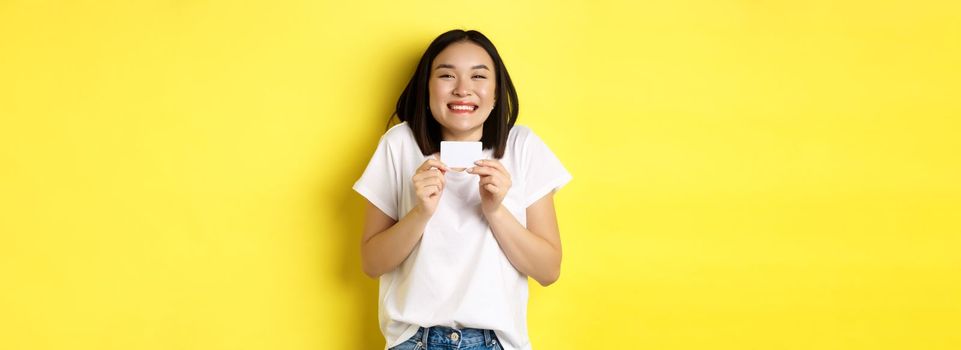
{"points": [[463, 55]]}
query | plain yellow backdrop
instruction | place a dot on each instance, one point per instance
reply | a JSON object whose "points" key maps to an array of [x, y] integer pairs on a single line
{"points": [[747, 174]]}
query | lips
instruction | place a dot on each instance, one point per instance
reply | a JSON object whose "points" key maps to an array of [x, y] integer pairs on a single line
{"points": [[462, 107]]}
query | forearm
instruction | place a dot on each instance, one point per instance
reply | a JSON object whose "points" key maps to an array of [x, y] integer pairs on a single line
{"points": [[384, 251], [529, 253]]}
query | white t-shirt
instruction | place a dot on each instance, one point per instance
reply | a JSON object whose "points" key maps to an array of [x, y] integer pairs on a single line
{"points": [[457, 276]]}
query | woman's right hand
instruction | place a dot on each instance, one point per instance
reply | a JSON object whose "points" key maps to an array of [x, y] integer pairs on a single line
{"points": [[429, 184]]}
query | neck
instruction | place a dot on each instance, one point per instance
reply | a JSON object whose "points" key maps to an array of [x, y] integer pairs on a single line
{"points": [[471, 135]]}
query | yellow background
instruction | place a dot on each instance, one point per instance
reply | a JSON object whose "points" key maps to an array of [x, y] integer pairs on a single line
{"points": [[747, 174]]}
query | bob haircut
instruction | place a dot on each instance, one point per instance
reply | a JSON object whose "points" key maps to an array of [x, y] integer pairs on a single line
{"points": [[413, 106]]}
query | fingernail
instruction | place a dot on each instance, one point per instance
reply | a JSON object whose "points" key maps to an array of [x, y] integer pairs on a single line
{"points": [[478, 162]]}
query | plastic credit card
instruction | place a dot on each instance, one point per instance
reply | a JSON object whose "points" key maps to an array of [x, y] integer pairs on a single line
{"points": [[460, 154]]}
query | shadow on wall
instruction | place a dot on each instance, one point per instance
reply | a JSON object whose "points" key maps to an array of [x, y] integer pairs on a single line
{"points": [[350, 206], [349, 218]]}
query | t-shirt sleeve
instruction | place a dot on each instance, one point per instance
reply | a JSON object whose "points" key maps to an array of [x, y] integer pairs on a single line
{"points": [[379, 182], [545, 173]]}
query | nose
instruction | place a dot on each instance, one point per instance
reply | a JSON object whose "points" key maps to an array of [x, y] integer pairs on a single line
{"points": [[462, 89]]}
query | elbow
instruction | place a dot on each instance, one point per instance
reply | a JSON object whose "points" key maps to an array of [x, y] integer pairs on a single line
{"points": [[552, 274], [550, 278], [369, 267], [551, 271], [370, 272]]}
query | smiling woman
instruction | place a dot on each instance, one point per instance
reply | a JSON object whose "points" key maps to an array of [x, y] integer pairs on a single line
{"points": [[453, 250], [462, 91], [459, 68]]}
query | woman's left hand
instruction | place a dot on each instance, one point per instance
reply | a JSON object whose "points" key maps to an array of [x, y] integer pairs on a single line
{"points": [[495, 181]]}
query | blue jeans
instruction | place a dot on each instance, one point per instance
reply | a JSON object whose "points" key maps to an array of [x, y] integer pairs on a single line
{"points": [[443, 338]]}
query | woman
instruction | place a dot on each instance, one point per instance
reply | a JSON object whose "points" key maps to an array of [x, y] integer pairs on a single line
{"points": [[453, 247]]}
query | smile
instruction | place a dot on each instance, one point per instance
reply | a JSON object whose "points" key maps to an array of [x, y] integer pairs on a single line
{"points": [[462, 108]]}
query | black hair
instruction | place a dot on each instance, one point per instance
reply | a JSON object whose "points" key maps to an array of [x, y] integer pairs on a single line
{"points": [[413, 106]]}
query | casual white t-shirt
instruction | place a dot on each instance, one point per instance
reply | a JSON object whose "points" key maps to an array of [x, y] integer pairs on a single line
{"points": [[457, 276]]}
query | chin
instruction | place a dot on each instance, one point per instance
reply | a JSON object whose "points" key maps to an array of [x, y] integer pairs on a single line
{"points": [[463, 124], [459, 128]]}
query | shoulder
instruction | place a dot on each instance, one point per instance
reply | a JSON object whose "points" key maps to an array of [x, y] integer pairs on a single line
{"points": [[399, 133], [399, 137], [519, 134], [522, 137], [520, 130]]}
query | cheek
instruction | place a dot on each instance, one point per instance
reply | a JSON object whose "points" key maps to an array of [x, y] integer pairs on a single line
{"points": [[485, 89], [435, 93], [488, 95]]}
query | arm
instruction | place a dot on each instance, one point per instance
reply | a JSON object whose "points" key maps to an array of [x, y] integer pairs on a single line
{"points": [[536, 250], [387, 243]]}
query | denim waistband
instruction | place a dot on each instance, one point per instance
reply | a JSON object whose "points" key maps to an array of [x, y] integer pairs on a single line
{"points": [[455, 338]]}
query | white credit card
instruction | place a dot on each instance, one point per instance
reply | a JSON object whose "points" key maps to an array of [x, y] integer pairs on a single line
{"points": [[460, 154]]}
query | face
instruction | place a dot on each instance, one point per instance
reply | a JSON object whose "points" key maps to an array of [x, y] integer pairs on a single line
{"points": [[462, 89]]}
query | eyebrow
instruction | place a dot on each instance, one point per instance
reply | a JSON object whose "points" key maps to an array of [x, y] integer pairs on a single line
{"points": [[445, 65]]}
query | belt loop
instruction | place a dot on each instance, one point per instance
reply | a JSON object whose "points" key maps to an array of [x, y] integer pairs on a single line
{"points": [[425, 336], [487, 337]]}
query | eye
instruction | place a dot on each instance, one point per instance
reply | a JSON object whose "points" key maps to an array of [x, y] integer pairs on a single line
{"points": [[445, 76], [479, 76]]}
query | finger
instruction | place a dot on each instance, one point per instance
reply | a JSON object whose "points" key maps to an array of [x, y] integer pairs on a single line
{"points": [[429, 182], [483, 170], [500, 185], [491, 188], [426, 174], [489, 175], [442, 179], [492, 179], [420, 175], [493, 163], [432, 163], [496, 180], [438, 174], [429, 190]]}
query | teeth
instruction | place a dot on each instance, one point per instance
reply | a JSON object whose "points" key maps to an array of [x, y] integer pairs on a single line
{"points": [[462, 107]]}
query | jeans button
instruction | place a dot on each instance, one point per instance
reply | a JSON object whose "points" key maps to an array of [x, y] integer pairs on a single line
{"points": [[454, 336]]}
